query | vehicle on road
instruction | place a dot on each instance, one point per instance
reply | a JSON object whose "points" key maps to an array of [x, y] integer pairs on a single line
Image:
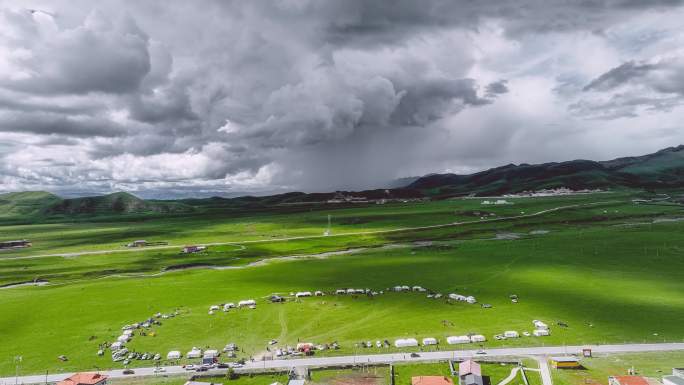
{"points": [[128, 371]]}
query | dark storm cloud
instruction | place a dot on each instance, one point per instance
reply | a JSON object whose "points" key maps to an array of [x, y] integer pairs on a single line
{"points": [[305, 94], [55, 124], [620, 75]]}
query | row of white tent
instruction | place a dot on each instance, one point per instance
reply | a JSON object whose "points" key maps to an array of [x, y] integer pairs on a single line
{"points": [[301, 294], [226, 307], [193, 353], [451, 340], [462, 298]]}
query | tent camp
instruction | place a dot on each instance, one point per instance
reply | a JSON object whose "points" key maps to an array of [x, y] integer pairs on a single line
{"points": [[405, 342], [173, 355], [429, 341], [458, 340]]}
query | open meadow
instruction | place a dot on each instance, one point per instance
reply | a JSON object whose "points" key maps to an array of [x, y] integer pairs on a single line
{"points": [[599, 264]]}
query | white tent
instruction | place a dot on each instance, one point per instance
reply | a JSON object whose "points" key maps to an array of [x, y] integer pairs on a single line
{"points": [[539, 324], [214, 308], [173, 355], [318, 293], [511, 334], [470, 299], [246, 302], [453, 340], [340, 291], [123, 338], [541, 332], [228, 306], [478, 338], [303, 294], [211, 353], [405, 342], [194, 353], [457, 297], [116, 345], [429, 341], [127, 332], [351, 291]]}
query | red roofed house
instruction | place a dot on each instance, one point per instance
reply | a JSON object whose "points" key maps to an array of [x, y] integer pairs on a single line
{"points": [[627, 380], [431, 380], [85, 379], [469, 373]]}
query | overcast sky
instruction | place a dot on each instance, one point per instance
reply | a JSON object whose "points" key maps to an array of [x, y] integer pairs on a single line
{"points": [[168, 98]]}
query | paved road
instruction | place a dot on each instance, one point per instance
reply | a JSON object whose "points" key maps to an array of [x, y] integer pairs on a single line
{"points": [[241, 244], [544, 370], [381, 359]]}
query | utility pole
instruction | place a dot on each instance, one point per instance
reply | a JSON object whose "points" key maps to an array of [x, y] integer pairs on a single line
{"points": [[17, 362]]}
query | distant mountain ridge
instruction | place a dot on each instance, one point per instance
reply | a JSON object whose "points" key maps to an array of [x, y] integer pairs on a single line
{"points": [[662, 169]]}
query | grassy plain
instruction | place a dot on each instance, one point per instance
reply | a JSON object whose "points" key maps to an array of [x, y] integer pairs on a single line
{"points": [[610, 282]]}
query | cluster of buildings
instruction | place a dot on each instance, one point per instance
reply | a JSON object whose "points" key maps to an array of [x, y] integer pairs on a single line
{"points": [[245, 303]]}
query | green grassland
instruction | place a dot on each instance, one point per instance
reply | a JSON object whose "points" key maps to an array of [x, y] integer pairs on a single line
{"points": [[596, 370], [610, 282]]}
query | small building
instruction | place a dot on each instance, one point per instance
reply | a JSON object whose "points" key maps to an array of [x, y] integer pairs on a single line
{"points": [[405, 342], [429, 341], [677, 377], [511, 334], [340, 291], [211, 353], [116, 345], [539, 324], [228, 306], [301, 294], [174, 355], [470, 373], [87, 378], [471, 299], [276, 299], [431, 380], [565, 362], [627, 380], [193, 249], [138, 243], [541, 333], [453, 340], [318, 293]]}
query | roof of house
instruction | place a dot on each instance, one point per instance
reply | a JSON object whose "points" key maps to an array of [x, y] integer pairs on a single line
{"points": [[564, 359], [431, 380], [631, 380], [674, 379], [86, 378], [469, 366]]}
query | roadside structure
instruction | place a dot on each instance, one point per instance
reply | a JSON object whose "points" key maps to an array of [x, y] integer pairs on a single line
{"points": [[87, 378], [677, 377], [627, 380], [470, 373], [565, 362]]}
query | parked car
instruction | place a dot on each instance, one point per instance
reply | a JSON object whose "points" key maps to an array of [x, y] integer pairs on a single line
{"points": [[128, 371], [159, 370]]}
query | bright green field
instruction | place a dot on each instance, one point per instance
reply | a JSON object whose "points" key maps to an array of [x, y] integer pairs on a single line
{"points": [[609, 282], [597, 369]]}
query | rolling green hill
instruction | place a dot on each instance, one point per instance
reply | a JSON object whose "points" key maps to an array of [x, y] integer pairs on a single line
{"points": [[116, 203], [25, 204], [663, 169]]}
